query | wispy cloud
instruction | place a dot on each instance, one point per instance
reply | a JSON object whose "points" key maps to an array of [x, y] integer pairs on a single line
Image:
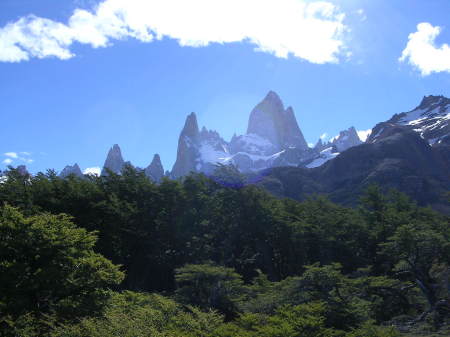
{"points": [[21, 156], [27, 160], [93, 170], [312, 31], [422, 52], [364, 134], [11, 155]]}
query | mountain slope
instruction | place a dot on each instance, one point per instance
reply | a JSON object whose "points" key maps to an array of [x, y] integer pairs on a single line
{"points": [[402, 160]]}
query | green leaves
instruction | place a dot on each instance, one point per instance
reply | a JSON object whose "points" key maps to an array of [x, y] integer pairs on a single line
{"points": [[210, 287], [48, 267]]}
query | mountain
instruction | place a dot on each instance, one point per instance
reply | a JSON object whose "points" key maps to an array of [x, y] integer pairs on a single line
{"points": [[410, 152], [114, 161], [431, 119], [273, 139], [71, 170], [346, 139], [269, 120], [155, 170]]}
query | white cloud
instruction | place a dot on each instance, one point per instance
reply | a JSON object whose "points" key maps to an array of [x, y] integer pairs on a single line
{"points": [[422, 52], [364, 134], [26, 160], [93, 170], [312, 31], [24, 153], [362, 14], [11, 155], [7, 161]]}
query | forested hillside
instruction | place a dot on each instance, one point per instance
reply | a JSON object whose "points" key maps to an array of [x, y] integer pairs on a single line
{"points": [[119, 255]]}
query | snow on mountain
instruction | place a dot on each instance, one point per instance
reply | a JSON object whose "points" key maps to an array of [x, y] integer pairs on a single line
{"points": [[431, 119], [346, 139], [325, 155]]}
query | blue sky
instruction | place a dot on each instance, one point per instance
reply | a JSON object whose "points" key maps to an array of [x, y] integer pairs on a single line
{"points": [[74, 80]]}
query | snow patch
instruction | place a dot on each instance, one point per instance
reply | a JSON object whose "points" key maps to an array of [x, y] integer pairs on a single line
{"points": [[325, 156]]}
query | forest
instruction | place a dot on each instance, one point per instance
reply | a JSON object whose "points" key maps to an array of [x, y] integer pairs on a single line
{"points": [[121, 256]]}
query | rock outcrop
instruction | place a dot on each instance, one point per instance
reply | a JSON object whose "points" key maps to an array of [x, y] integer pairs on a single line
{"points": [[187, 152], [155, 170], [71, 170], [346, 139], [272, 122], [431, 119], [114, 161]]}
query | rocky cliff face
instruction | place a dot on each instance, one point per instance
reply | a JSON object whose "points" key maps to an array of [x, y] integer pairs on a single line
{"points": [[273, 138], [114, 161], [431, 120], [187, 152], [155, 170], [269, 120], [346, 139], [402, 160], [71, 170]]}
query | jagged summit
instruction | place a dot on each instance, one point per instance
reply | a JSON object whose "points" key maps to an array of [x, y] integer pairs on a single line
{"points": [[271, 121], [155, 170], [432, 100], [71, 170], [114, 161], [431, 119], [187, 151], [191, 126], [346, 139]]}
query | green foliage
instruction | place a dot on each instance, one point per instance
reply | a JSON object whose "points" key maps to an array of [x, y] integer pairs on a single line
{"points": [[140, 315], [209, 287], [213, 243], [48, 267]]}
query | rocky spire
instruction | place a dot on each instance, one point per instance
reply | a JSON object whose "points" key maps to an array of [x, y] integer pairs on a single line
{"points": [[187, 151], [155, 170], [346, 139], [320, 145], [71, 170], [114, 161], [292, 135], [271, 121]]}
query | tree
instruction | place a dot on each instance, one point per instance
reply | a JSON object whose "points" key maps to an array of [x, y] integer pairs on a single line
{"points": [[210, 286], [48, 268], [417, 249]]}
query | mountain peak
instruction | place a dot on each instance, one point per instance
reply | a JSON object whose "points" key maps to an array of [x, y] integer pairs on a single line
{"points": [[346, 139], [428, 101], [71, 170], [155, 170], [272, 96], [191, 126], [114, 160], [271, 121]]}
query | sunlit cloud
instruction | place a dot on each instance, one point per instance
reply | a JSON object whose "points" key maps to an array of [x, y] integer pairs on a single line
{"points": [[422, 52], [7, 161], [364, 134], [312, 31], [11, 155]]}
